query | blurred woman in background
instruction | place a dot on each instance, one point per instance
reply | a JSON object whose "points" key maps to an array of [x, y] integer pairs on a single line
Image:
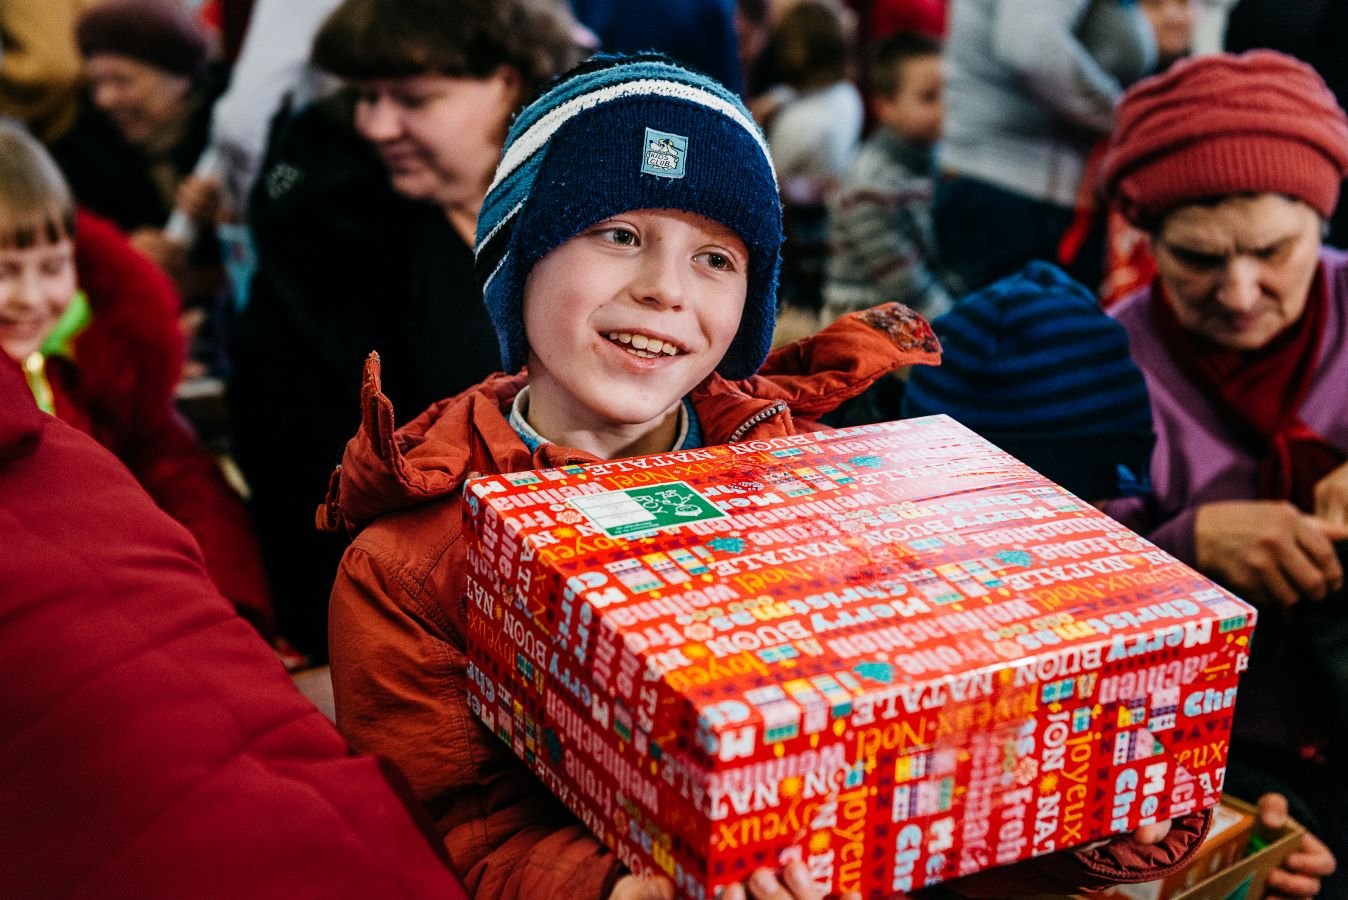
{"points": [[364, 216]]}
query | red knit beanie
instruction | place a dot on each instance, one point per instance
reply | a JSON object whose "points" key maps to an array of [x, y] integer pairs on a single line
{"points": [[158, 32], [1215, 125]]}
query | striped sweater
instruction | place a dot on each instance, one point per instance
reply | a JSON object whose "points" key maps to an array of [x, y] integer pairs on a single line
{"points": [[880, 232]]}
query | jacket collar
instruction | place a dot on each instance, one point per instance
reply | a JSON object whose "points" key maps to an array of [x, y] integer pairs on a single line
{"points": [[386, 468]]}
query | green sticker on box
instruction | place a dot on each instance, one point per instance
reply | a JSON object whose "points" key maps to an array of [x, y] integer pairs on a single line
{"points": [[640, 510]]}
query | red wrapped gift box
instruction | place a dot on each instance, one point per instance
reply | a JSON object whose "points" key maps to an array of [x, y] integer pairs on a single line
{"points": [[891, 651]]}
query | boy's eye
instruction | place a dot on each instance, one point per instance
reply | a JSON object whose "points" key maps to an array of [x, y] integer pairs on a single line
{"points": [[622, 236], [718, 261]]}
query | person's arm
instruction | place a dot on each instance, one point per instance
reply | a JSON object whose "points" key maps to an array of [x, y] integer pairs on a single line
{"points": [[1331, 497], [399, 676], [1262, 550], [1300, 873], [1268, 550], [187, 483], [133, 357], [1037, 41]]}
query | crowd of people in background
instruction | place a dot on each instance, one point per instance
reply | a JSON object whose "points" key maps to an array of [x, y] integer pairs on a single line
{"points": [[1119, 217]]}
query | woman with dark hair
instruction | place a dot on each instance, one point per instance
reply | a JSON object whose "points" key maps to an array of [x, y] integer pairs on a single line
{"points": [[364, 217]]}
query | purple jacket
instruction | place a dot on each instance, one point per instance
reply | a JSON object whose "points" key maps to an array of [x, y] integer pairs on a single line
{"points": [[1199, 458]]}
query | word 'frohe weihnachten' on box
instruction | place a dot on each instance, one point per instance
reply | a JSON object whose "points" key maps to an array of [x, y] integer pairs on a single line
{"points": [[891, 651]]}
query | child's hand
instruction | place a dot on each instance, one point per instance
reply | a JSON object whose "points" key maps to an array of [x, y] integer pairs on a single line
{"points": [[637, 887], [1152, 834], [794, 884], [1300, 873]]}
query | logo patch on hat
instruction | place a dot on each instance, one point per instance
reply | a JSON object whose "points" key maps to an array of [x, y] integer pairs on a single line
{"points": [[664, 154]]}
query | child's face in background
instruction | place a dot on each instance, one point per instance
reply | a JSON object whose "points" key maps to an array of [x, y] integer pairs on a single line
{"points": [[628, 316], [914, 111], [36, 285], [1173, 23]]}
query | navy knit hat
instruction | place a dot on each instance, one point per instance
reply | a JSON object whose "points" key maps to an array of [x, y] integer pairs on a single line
{"points": [[1034, 365], [622, 133]]}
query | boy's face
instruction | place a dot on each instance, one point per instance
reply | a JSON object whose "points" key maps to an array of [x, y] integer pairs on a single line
{"points": [[914, 111], [628, 316]]}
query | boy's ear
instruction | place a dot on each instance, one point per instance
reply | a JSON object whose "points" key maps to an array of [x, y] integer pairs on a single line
{"points": [[511, 81]]}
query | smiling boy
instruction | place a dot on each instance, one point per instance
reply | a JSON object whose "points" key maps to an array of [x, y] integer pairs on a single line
{"points": [[629, 252]]}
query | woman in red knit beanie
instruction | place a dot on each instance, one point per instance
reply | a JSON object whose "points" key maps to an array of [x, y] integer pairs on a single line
{"points": [[1232, 165]]}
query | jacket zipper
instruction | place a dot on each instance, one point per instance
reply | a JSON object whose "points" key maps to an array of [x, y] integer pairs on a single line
{"points": [[763, 414]]}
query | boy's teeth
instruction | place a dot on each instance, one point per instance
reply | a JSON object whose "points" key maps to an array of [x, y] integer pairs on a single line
{"points": [[639, 342]]}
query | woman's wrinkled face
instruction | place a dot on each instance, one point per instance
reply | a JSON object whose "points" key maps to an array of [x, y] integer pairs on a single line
{"points": [[36, 285], [1239, 272], [440, 137], [144, 102]]}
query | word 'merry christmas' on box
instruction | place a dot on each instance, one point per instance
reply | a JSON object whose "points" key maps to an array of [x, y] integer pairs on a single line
{"points": [[893, 652]]}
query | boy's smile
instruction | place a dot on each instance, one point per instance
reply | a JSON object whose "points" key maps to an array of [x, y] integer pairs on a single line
{"points": [[626, 318], [644, 345]]}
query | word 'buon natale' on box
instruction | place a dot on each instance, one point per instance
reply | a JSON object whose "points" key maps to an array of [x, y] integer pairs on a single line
{"points": [[892, 651]]}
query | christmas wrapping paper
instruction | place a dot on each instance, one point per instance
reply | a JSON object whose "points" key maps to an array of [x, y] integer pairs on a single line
{"points": [[893, 652]]}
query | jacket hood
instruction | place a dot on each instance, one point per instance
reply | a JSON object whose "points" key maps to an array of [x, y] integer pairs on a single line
{"points": [[385, 468]]}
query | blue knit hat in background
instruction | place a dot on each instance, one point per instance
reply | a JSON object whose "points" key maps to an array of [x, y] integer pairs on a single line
{"points": [[622, 133], [1034, 365]]}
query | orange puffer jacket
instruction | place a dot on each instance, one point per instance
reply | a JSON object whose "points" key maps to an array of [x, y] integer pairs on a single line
{"points": [[398, 615]]}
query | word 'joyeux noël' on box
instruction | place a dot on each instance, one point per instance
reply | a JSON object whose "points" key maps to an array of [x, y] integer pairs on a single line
{"points": [[892, 651]]}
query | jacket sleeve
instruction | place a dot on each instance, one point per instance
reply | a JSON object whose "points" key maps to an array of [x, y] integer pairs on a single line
{"points": [[1035, 39], [1118, 861], [844, 359], [187, 483], [1175, 535], [400, 684], [131, 371]]}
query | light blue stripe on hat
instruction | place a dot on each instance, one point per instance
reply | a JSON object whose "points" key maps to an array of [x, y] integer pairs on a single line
{"points": [[523, 144]]}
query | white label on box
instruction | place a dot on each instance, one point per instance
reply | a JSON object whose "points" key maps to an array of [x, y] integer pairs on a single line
{"points": [[638, 511]]}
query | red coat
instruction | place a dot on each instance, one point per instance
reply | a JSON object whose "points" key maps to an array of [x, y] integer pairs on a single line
{"points": [[398, 613], [151, 744], [120, 390]]}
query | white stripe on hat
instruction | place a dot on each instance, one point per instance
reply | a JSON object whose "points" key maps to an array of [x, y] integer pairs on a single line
{"points": [[481, 245], [542, 131], [486, 284]]}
